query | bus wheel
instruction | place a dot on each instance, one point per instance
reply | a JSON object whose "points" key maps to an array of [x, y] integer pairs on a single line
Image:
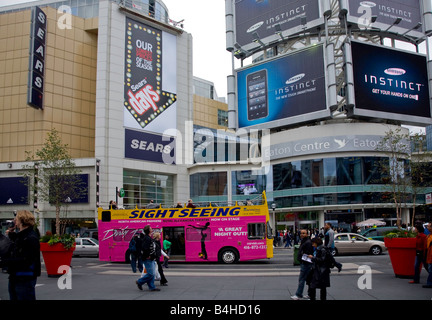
{"points": [[229, 255]]}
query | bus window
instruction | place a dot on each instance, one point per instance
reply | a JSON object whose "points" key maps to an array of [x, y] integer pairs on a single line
{"points": [[256, 231]]}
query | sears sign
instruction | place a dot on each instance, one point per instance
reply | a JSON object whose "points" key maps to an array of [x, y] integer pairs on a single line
{"points": [[37, 58], [145, 146], [391, 84]]}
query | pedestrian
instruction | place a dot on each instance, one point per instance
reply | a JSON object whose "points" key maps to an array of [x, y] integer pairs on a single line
{"points": [[420, 251], [159, 253], [319, 276], [167, 248], [148, 256], [134, 254], [288, 239], [112, 205], [23, 261], [190, 204], [329, 236], [305, 250], [429, 256]]}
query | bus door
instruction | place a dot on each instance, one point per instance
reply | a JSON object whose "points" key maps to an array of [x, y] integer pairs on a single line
{"points": [[177, 238], [198, 237]]}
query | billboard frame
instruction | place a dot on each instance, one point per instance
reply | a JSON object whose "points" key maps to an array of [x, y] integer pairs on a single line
{"points": [[277, 36], [309, 117], [360, 113], [391, 30]]}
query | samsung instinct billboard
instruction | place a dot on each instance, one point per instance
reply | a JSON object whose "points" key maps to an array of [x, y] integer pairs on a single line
{"points": [[386, 12], [282, 91], [263, 18], [390, 84]]}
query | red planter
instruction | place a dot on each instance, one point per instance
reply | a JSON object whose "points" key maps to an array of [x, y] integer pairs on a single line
{"points": [[55, 256], [402, 252]]}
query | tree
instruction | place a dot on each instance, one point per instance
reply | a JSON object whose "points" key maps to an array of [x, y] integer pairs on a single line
{"points": [[395, 172], [53, 174]]}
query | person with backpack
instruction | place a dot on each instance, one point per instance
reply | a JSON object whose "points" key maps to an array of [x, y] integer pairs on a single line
{"points": [[319, 277], [148, 255], [134, 246]]}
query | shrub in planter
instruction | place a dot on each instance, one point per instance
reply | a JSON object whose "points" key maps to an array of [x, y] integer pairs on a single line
{"points": [[401, 245], [57, 252]]}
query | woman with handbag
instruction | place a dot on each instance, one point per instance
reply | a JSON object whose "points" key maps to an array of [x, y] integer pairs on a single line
{"points": [[159, 253]]}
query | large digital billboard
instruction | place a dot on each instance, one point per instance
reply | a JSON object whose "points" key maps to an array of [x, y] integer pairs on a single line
{"points": [[264, 18], [282, 91], [390, 84], [386, 12], [150, 78]]}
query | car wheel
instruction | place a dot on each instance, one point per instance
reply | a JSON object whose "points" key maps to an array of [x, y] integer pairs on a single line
{"points": [[375, 250]]}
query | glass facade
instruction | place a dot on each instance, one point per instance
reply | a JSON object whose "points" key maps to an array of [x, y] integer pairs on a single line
{"points": [[141, 187], [327, 172], [209, 186]]}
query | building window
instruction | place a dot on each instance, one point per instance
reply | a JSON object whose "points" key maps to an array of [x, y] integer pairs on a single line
{"points": [[141, 187], [208, 184], [223, 118]]}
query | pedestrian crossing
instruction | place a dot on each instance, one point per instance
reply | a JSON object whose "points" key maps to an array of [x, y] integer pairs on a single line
{"points": [[232, 271]]}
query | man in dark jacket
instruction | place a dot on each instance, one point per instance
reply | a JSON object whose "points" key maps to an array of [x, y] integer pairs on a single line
{"points": [[305, 250], [148, 255], [23, 262]]}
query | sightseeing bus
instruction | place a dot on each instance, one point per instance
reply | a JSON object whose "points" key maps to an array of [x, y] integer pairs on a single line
{"points": [[225, 232]]}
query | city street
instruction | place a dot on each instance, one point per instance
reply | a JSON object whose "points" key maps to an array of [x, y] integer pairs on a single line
{"points": [[274, 279]]}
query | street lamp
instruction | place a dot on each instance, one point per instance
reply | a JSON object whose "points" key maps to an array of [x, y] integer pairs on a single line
{"points": [[274, 216]]}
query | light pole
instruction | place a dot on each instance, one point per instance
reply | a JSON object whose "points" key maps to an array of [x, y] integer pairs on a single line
{"points": [[274, 217]]}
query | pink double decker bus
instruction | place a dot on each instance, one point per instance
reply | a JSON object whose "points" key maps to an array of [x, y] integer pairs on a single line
{"points": [[227, 233]]}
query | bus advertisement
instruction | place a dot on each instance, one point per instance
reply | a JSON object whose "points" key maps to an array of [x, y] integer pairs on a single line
{"points": [[227, 233]]}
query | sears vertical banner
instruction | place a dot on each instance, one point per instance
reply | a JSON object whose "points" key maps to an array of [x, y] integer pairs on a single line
{"points": [[150, 78], [38, 35], [286, 90], [390, 84]]}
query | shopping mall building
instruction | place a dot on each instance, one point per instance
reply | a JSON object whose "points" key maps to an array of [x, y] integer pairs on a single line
{"points": [[115, 79]]}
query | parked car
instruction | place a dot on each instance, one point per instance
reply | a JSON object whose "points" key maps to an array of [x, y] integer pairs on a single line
{"points": [[90, 233], [348, 243], [377, 233], [86, 247]]}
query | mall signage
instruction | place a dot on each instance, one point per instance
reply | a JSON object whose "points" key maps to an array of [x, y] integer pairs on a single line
{"points": [[149, 78], [286, 90], [38, 35], [390, 84], [140, 145], [266, 18]]}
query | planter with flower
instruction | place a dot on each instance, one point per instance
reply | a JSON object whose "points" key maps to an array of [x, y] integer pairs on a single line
{"points": [[401, 246], [57, 253]]}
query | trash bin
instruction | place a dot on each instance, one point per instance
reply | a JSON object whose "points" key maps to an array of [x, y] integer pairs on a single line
{"points": [[296, 262]]}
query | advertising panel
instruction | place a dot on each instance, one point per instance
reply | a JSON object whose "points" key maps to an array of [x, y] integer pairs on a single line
{"points": [[150, 78], [286, 90], [141, 145], [37, 58], [391, 84], [260, 17], [386, 12]]}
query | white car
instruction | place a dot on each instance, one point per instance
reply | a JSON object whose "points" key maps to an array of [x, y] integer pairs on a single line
{"points": [[347, 243], [86, 247]]}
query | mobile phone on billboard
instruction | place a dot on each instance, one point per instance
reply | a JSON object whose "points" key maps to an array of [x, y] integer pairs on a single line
{"points": [[257, 102]]}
